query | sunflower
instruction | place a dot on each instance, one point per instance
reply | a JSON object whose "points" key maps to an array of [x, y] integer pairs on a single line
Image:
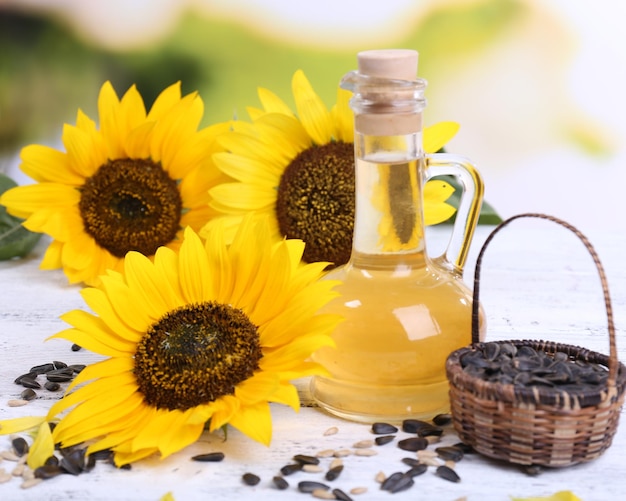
{"points": [[299, 169], [213, 333], [132, 184]]}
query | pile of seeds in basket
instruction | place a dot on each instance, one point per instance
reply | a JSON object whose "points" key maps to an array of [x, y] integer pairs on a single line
{"points": [[505, 363]]}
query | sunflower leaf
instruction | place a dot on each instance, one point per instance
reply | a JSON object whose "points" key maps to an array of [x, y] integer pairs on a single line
{"points": [[15, 240]]}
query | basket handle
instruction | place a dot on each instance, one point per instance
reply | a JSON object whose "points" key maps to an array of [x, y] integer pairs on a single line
{"points": [[613, 362]]}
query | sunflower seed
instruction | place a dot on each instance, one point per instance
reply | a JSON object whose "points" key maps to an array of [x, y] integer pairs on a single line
{"points": [[28, 382], [413, 444], [341, 453], [41, 369], [363, 444], [467, 449], [76, 347], [442, 419], [28, 394], [210, 457], [333, 430], [309, 486], [450, 453], [52, 386], [17, 402], [48, 471], [280, 483], [397, 482], [365, 452], [421, 428], [77, 368], [341, 496], [385, 439], [304, 459], [312, 468], [333, 473], [416, 470], [447, 473], [383, 429], [358, 490], [250, 479], [52, 461], [27, 484], [19, 468], [9, 456], [73, 461], [335, 462], [4, 476], [326, 453], [20, 446], [289, 469], [322, 494]]}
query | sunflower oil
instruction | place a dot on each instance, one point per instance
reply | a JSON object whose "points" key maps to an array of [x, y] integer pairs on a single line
{"points": [[404, 312]]}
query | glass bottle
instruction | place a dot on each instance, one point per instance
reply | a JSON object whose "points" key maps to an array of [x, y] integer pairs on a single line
{"points": [[404, 311]]}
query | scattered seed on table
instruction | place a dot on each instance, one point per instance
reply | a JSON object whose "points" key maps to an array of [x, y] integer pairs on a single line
{"points": [[363, 444], [312, 468], [383, 429], [77, 368], [59, 365], [17, 402], [358, 490], [9, 456], [416, 470], [27, 382], [341, 453], [18, 471], [304, 459], [421, 428], [335, 462], [250, 479], [450, 453], [333, 430], [27, 484], [4, 476], [289, 469], [326, 453], [76, 347], [384, 439], [20, 446], [380, 477], [467, 449], [280, 483], [28, 394], [397, 482], [411, 462], [323, 494], [365, 452], [340, 495], [442, 419], [413, 444], [309, 486], [52, 386], [334, 472], [41, 369], [447, 473], [48, 471], [210, 457]]}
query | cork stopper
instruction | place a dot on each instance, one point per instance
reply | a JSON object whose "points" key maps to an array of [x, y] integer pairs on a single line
{"points": [[396, 64]]}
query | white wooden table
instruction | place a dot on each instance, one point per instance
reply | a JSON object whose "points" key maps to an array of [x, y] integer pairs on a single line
{"points": [[538, 282]]}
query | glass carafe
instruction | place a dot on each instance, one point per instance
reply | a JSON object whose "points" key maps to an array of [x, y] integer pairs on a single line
{"points": [[404, 311]]}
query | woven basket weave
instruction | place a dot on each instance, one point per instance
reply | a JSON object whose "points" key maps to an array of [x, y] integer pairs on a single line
{"points": [[537, 425]]}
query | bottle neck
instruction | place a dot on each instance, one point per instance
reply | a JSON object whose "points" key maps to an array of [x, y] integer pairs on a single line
{"points": [[389, 223]]}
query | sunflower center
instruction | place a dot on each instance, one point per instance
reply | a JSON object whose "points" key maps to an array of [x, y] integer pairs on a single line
{"points": [[131, 204], [195, 355], [315, 202]]}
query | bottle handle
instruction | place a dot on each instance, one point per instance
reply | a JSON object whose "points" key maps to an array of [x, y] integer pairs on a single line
{"points": [[446, 164]]}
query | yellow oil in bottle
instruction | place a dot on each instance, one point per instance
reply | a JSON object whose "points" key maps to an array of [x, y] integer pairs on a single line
{"points": [[399, 328]]}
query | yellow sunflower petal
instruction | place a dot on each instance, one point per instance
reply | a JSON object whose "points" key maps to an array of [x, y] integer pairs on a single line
{"points": [[108, 104], [164, 102], [15, 425], [42, 447], [45, 164], [343, 118], [254, 421], [272, 103], [194, 269], [312, 111], [436, 136]]}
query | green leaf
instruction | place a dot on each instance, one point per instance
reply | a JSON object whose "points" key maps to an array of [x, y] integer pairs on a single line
{"points": [[15, 240]]}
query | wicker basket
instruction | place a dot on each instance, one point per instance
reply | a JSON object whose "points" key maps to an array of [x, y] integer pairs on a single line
{"points": [[537, 425]]}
